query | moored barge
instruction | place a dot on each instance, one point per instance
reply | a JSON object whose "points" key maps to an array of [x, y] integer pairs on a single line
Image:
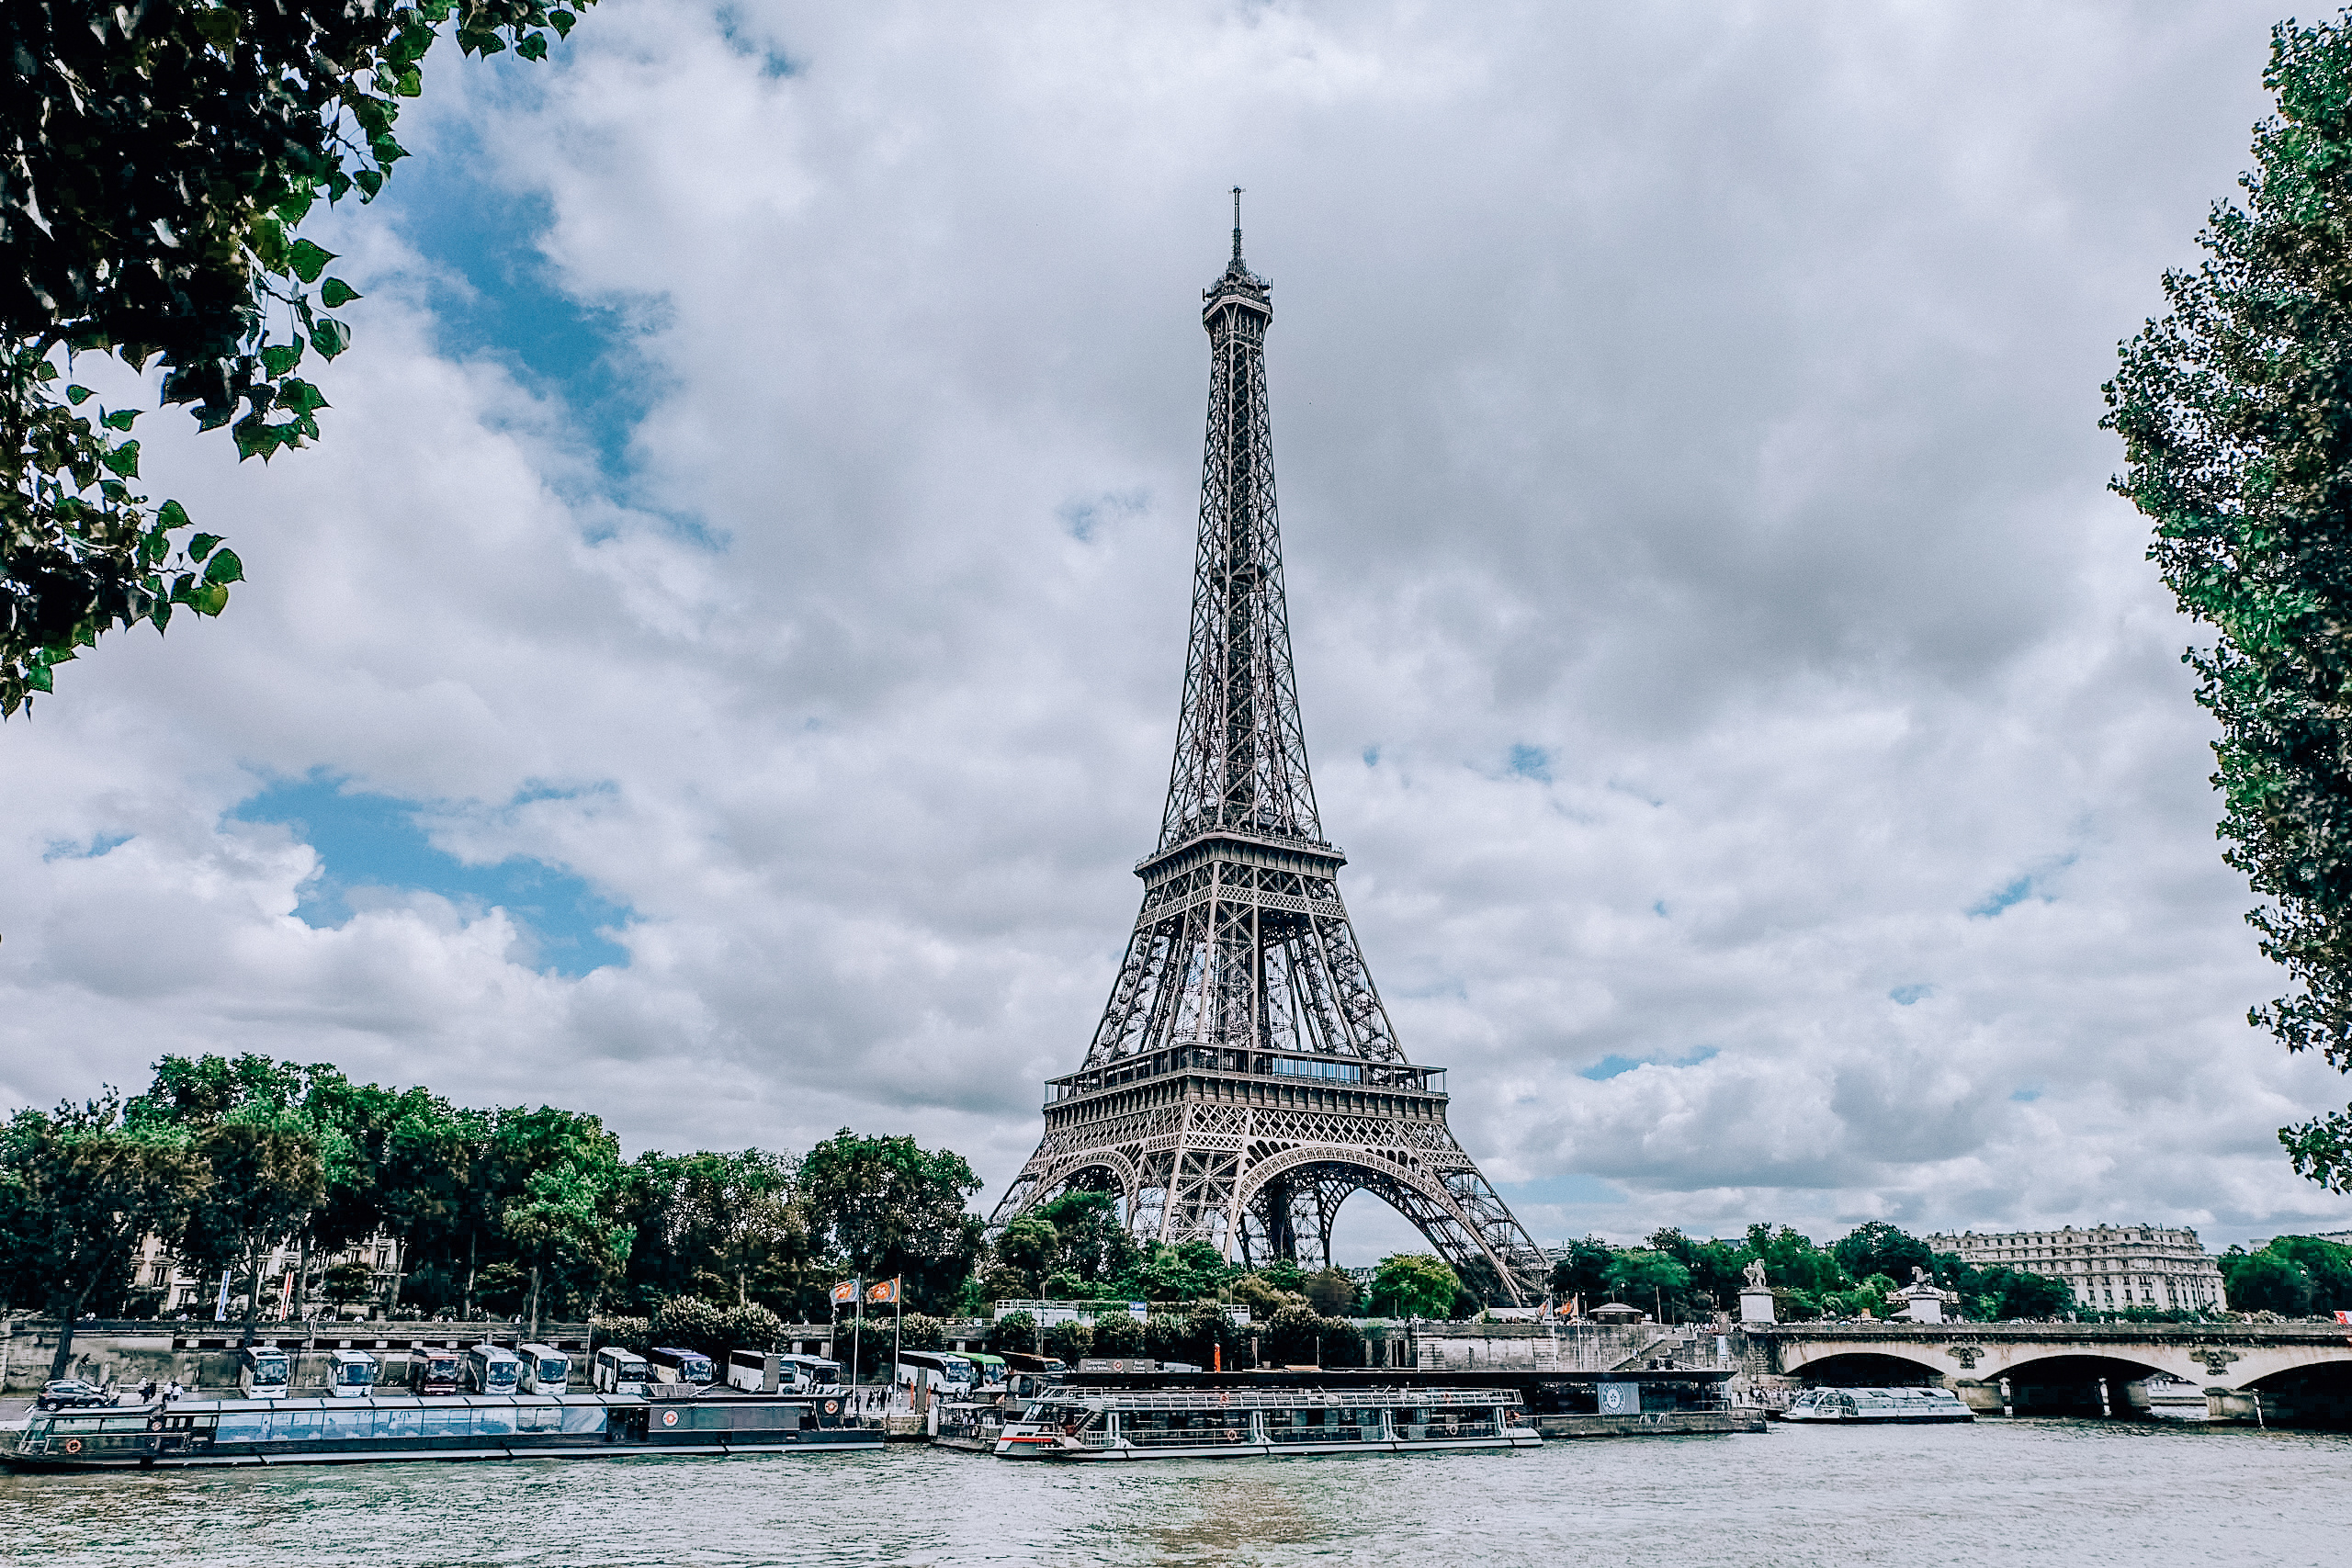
{"points": [[1114, 1423], [474, 1427], [1878, 1406]]}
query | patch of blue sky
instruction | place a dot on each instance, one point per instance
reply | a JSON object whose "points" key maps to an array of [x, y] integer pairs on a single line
{"points": [[773, 62], [1081, 520], [375, 841], [90, 849], [2027, 1095], [1371, 756], [2032, 885], [1904, 995], [1612, 1065], [513, 308], [1531, 762]]}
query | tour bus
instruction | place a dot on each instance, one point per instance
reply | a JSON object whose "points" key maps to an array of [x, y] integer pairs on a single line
{"points": [[673, 1365], [806, 1375], [754, 1371], [435, 1371], [990, 1369], [351, 1374], [492, 1369], [263, 1372], [938, 1370], [546, 1369], [621, 1371]]}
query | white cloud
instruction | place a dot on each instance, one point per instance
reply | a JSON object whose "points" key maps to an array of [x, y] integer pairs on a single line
{"points": [[1703, 400]]}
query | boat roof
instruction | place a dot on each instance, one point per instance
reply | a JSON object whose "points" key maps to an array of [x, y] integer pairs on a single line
{"points": [[385, 1402], [1278, 1399]]}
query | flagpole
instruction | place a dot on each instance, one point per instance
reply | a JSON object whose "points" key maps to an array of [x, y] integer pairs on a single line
{"points": [[857, 1331], [897, 1316]]}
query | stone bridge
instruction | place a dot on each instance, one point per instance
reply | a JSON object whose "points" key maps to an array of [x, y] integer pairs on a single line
{"points": [[2284, 1372]]}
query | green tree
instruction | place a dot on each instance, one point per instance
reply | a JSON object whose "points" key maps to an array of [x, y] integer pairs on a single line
{"points": [[917, 1331], [1877, 1248], [1094, 1244], [2264, 1281], [160, 159], [1582, 1272], [1118, 1335], [2022, 1293], [1293, 1336], [1070, 1340], [266, 1179], [888, 1208], [348, 1283], [690, 1323], [1029, 1245], [1332, 1293], [1413, 1284], [2328, 1265], [80, 1193], [1014, 1331], [562, 1223], [2238, 443], [1187, 1271]]}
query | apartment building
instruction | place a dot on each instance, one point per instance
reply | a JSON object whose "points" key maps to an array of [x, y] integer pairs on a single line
{"points": [[2111, 1268], [183, 1293]]}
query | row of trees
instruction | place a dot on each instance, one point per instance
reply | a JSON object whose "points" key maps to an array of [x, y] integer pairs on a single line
{"points": [[2292, 1276], [497, 1210]]}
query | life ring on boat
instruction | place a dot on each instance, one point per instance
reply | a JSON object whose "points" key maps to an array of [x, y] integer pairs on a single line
{"points": [[73, 1445], [1233, 1433], [669, 1417], [832, 1407]]}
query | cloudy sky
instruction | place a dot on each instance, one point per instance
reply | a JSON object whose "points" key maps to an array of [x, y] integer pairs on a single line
{"points": [[719, 668]]}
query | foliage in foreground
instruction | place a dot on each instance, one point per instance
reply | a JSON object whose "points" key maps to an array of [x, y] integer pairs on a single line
{"points": [[160, 159], [2238, 437]]}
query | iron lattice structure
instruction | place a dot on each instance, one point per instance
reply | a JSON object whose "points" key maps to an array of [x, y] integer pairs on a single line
{"points": [[1245, 1079]]}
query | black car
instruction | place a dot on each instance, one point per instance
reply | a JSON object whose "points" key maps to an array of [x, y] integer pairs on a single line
{"points": [[67, 1393]]}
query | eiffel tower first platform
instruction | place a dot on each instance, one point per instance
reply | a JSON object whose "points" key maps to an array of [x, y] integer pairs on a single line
{"points": [[1245, 1079]]}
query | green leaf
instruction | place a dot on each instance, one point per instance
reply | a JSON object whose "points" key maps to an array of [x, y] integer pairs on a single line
{"points": [[224, 567], [336, 293], [278, 358], [161, 614], [120, 419], [533, 47], [369, 182], [296, 207], [78, 394], [38, 678], [218, 27], [309, 259], [269, 243], [208, 598], [330, 337], [213, 419], [173, 515], [201, 545], [562, 22], [299, 397], [408, 81], [124, 459], [254, 439]]}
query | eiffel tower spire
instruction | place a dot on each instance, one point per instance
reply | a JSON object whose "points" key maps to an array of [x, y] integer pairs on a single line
{"points": [[1245, 1079]]}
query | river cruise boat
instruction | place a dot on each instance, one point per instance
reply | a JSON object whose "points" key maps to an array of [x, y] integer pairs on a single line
{"points": [[1878, 1406], [1114, 1424], [468, 1427]]}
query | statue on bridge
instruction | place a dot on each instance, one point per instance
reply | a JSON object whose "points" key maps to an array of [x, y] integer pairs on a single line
{"points": [[1756, 1274]]}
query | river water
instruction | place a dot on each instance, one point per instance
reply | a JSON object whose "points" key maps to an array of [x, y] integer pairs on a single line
{"points": [[1994, 1493]]}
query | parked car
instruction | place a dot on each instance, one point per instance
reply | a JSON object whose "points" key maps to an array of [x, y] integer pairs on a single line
{"points": [[69, 1394]]}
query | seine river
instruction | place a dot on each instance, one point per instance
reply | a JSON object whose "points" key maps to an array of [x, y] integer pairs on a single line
{"points": [[1999, 1492]]}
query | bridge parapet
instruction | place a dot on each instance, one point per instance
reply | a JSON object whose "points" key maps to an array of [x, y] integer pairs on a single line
{"points": [[2219, 1356]]}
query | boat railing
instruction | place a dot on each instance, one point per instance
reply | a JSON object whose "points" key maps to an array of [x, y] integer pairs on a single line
{"points": [[1294, 1399]]}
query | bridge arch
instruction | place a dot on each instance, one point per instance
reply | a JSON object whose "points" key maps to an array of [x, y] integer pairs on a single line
{"points": [[1290, 1199], [1871, 1369]]}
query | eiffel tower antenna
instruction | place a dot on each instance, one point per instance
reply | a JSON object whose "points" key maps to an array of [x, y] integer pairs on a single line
{"points": [[1245, 1079]]}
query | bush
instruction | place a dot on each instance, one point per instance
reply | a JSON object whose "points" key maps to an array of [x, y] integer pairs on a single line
{"points": [[1342, 1343], [919, 1331], [1014, 1331], [1118, 1335], [690, 1323], [750, 1327], [633, 1334], [1000, 1282], [1069, 1341], [1331, 1293], [1291, 1337]]}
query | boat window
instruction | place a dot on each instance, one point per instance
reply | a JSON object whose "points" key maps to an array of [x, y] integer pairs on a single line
{"points": [[540, 1418], [582, 1418], [341, 1425], [123, 1423], [397, 1421], [452, 1421], [244, 1426], [296, 1425], [494, 1420]]}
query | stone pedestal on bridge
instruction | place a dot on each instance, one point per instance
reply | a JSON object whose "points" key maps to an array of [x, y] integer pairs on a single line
{"points": [[1756, 1305]]}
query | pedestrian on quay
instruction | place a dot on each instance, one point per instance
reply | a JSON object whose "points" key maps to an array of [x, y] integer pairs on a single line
{"points": [[147, 1392]]}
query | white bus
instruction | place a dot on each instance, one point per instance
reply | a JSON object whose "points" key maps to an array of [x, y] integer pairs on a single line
{"points": [[492, 1369], [754, 1371], [621, 1371], [263, 1372], [546, 1369], [806, 1375], [939, 1369], [673, 1365], [351, 1374]]}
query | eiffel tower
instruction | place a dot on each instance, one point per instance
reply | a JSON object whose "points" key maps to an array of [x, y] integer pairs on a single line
{"points": [[1245, 1079]]}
